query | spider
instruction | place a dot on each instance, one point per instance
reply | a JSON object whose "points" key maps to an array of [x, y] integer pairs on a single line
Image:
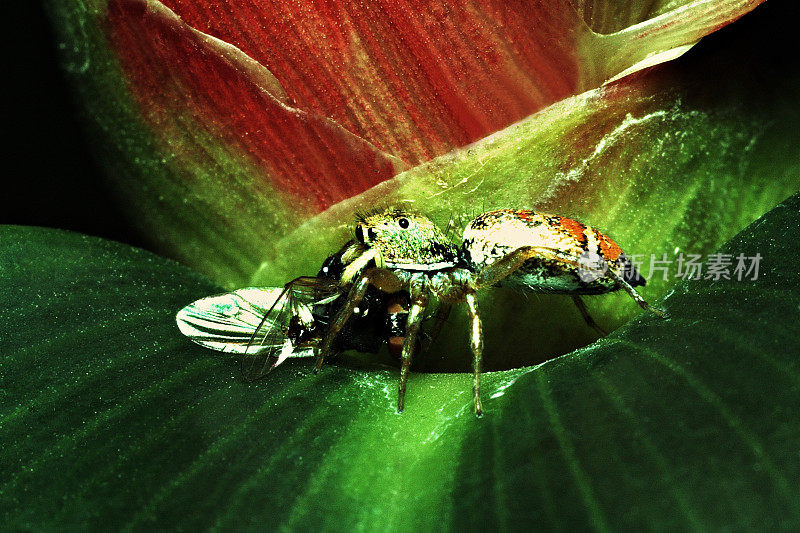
{"points": [[532, 251]]}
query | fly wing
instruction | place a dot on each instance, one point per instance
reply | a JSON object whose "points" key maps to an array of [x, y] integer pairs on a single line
{"points": [[227, 322], [293, 308]]}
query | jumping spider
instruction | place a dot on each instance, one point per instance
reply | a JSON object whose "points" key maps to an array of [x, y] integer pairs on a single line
{"points": [[362, 294], [533, 251]]}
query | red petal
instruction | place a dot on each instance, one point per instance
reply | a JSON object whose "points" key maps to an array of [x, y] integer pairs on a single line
{"points": [[418, 79], [414, 78], [218, 89]]}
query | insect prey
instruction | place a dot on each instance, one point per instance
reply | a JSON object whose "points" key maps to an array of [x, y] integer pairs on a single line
{"points": [[267, 325]]}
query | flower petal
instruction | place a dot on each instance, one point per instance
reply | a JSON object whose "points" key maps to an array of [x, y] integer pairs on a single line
{"points": [[220, 90], [667, 34], [258, 115], [419, 79]]}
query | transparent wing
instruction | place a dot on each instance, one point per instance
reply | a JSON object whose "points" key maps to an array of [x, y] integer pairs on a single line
{"points": [[227, 322], [288, 328]]}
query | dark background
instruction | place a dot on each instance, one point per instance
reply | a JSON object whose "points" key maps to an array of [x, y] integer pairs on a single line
{"points": [[51, 178]]}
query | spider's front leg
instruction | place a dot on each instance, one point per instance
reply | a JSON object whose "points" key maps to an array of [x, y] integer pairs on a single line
{"points": [[419, 301], [381, 278], [476, 343]]}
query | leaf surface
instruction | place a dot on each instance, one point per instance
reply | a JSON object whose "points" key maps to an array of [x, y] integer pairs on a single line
{"points": [[109, 418]]}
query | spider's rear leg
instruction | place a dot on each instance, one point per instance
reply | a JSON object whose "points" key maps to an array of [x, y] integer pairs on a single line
{"points": [[476, 343], [498, 271], [383, 279], [635, 295], [510, 263], [586, 316], [439, 319]]}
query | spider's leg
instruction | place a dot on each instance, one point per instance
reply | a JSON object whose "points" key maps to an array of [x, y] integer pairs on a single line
{"points": [[635, 295], [586, 316], [415, 315], [499, 270], [397, 316], [439, 319], [476, 343], [383, 279], [356, 294], [509, 264]]}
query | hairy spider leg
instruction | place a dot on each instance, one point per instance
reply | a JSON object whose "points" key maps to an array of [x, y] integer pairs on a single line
{"points": [[497, 272], [383, 279], [354, 296], [586, 316], [439, 320], [513, 261], [636, 296], [415, 315], [476, 344], [397, 305], [388, 282]]}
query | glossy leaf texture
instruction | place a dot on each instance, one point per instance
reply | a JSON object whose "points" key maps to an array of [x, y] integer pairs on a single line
{"points": [[226, 124], [110, 419]]}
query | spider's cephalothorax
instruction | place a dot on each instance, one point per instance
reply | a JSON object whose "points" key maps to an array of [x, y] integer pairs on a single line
{"points": [[532, 251], [405, 240]]}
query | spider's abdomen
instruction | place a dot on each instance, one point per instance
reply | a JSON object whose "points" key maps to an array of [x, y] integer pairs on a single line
{"points": [[573, 259]]}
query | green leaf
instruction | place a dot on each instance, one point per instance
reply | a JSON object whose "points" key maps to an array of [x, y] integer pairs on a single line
{"points": [[109, 418]]}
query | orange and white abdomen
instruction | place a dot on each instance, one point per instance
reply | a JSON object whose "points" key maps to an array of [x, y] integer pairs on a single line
{"points": [[573, 258]]}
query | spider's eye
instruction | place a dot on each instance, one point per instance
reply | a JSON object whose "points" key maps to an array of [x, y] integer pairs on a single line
{"points": [[360, 234], [403, 223], [372, 234]]}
